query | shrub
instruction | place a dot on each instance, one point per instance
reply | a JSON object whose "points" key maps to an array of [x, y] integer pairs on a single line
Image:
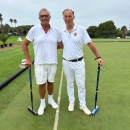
{"points": [[4, 37]]}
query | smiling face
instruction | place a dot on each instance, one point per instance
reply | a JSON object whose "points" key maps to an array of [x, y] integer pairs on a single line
{"points": [[68, 17], [44, 17]]}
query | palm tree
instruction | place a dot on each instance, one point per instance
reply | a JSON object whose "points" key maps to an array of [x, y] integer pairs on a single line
{"points": [[15, 21], [11, 20], [123, 30], [1, 19], [3, 39]]}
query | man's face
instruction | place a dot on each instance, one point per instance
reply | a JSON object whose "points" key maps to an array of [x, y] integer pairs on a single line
{"points": [[68, 17], [44, 17]]}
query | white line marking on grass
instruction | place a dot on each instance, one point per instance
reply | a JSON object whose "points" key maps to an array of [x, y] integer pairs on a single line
{"points": [[58, 102]]}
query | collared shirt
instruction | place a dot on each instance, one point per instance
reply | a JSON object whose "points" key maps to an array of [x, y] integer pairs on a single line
{"points": [[44, 44], [73, 42]]}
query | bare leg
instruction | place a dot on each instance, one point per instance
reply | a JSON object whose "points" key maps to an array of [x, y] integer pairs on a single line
{"points": [[50, 87], [42, 90]]}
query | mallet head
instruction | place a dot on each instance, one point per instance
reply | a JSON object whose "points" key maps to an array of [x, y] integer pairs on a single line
{"points": [[95, 110], [32, 111]]}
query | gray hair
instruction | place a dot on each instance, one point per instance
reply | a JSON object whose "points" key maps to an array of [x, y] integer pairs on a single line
{"points": [[68, 10], [44, 9]]}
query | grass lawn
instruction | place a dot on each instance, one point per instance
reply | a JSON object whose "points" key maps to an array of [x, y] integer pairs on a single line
{"points": [[113, 94], [13, 39]]}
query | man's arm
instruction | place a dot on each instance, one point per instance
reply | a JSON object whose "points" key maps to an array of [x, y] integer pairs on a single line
{"points": [[60, 45], [25, 44], [95, 52]]}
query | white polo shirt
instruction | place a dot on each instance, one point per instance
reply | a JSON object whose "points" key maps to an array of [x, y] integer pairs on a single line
{"points": [[73, 42], [44, 44]]}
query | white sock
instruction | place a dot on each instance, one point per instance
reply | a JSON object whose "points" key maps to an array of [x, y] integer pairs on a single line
{"points": [[50, 96], [43, 101]]}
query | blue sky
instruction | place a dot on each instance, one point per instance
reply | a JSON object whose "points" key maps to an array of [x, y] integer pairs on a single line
{"points": [[87, 13]]}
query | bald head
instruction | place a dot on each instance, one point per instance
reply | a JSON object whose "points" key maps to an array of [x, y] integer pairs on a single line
{"points": [[68, 10]]}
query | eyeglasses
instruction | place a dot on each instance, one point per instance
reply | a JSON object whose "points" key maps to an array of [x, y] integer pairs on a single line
{"points": [[42, 16]]}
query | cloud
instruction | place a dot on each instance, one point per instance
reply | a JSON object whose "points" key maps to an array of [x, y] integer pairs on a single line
{"points": [[87, 13]]}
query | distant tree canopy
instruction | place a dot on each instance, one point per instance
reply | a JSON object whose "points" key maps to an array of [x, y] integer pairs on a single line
{"points": [[92, 30], [10, 29], [104, 30], [21, 30]]}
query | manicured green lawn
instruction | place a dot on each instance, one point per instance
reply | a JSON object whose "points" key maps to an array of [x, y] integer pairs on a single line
{"points": [[13, 39], [113, 94]]}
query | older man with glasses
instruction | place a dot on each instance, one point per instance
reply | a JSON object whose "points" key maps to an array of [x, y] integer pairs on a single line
{"points": [[45, 39]]}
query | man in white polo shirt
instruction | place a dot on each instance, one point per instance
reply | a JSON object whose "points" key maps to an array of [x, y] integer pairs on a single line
{"points": [[45, 39], [74, 37]]}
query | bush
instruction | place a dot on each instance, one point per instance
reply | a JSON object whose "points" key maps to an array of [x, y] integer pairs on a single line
{"points": [[4, 37]]}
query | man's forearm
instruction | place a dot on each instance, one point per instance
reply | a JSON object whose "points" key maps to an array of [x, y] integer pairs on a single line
{"points": [[25, 48]]}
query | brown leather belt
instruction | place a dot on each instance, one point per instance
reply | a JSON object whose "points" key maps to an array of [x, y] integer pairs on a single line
{"points": [[74, 60]]}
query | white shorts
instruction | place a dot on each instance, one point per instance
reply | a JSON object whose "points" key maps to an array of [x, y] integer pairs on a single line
{"points": [[44, 73]]}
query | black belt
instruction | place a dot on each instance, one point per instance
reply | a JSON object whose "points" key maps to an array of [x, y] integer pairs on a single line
{"points": [[74, 60]]}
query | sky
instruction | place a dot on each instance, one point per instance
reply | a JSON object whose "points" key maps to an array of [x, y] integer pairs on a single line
{"points": [[87, 12]]}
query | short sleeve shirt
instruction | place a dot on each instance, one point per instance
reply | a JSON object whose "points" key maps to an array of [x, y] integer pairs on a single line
{"points": [[74, 41], [44, 44]]}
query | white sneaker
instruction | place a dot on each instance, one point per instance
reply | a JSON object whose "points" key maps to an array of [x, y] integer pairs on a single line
{"points": [[41, 109], [52, 103], [85, 109], [71, 106]]}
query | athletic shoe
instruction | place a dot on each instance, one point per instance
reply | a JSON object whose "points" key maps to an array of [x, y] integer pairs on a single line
{"points": [[85, 109], [52, 103], [41, 109], [71, 106]]}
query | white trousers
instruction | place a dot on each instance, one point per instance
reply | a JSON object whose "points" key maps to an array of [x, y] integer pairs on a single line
{"points": [[75, 70]]}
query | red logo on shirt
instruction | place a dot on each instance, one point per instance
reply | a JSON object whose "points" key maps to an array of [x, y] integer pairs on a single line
{"points": [[75, 34]]}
